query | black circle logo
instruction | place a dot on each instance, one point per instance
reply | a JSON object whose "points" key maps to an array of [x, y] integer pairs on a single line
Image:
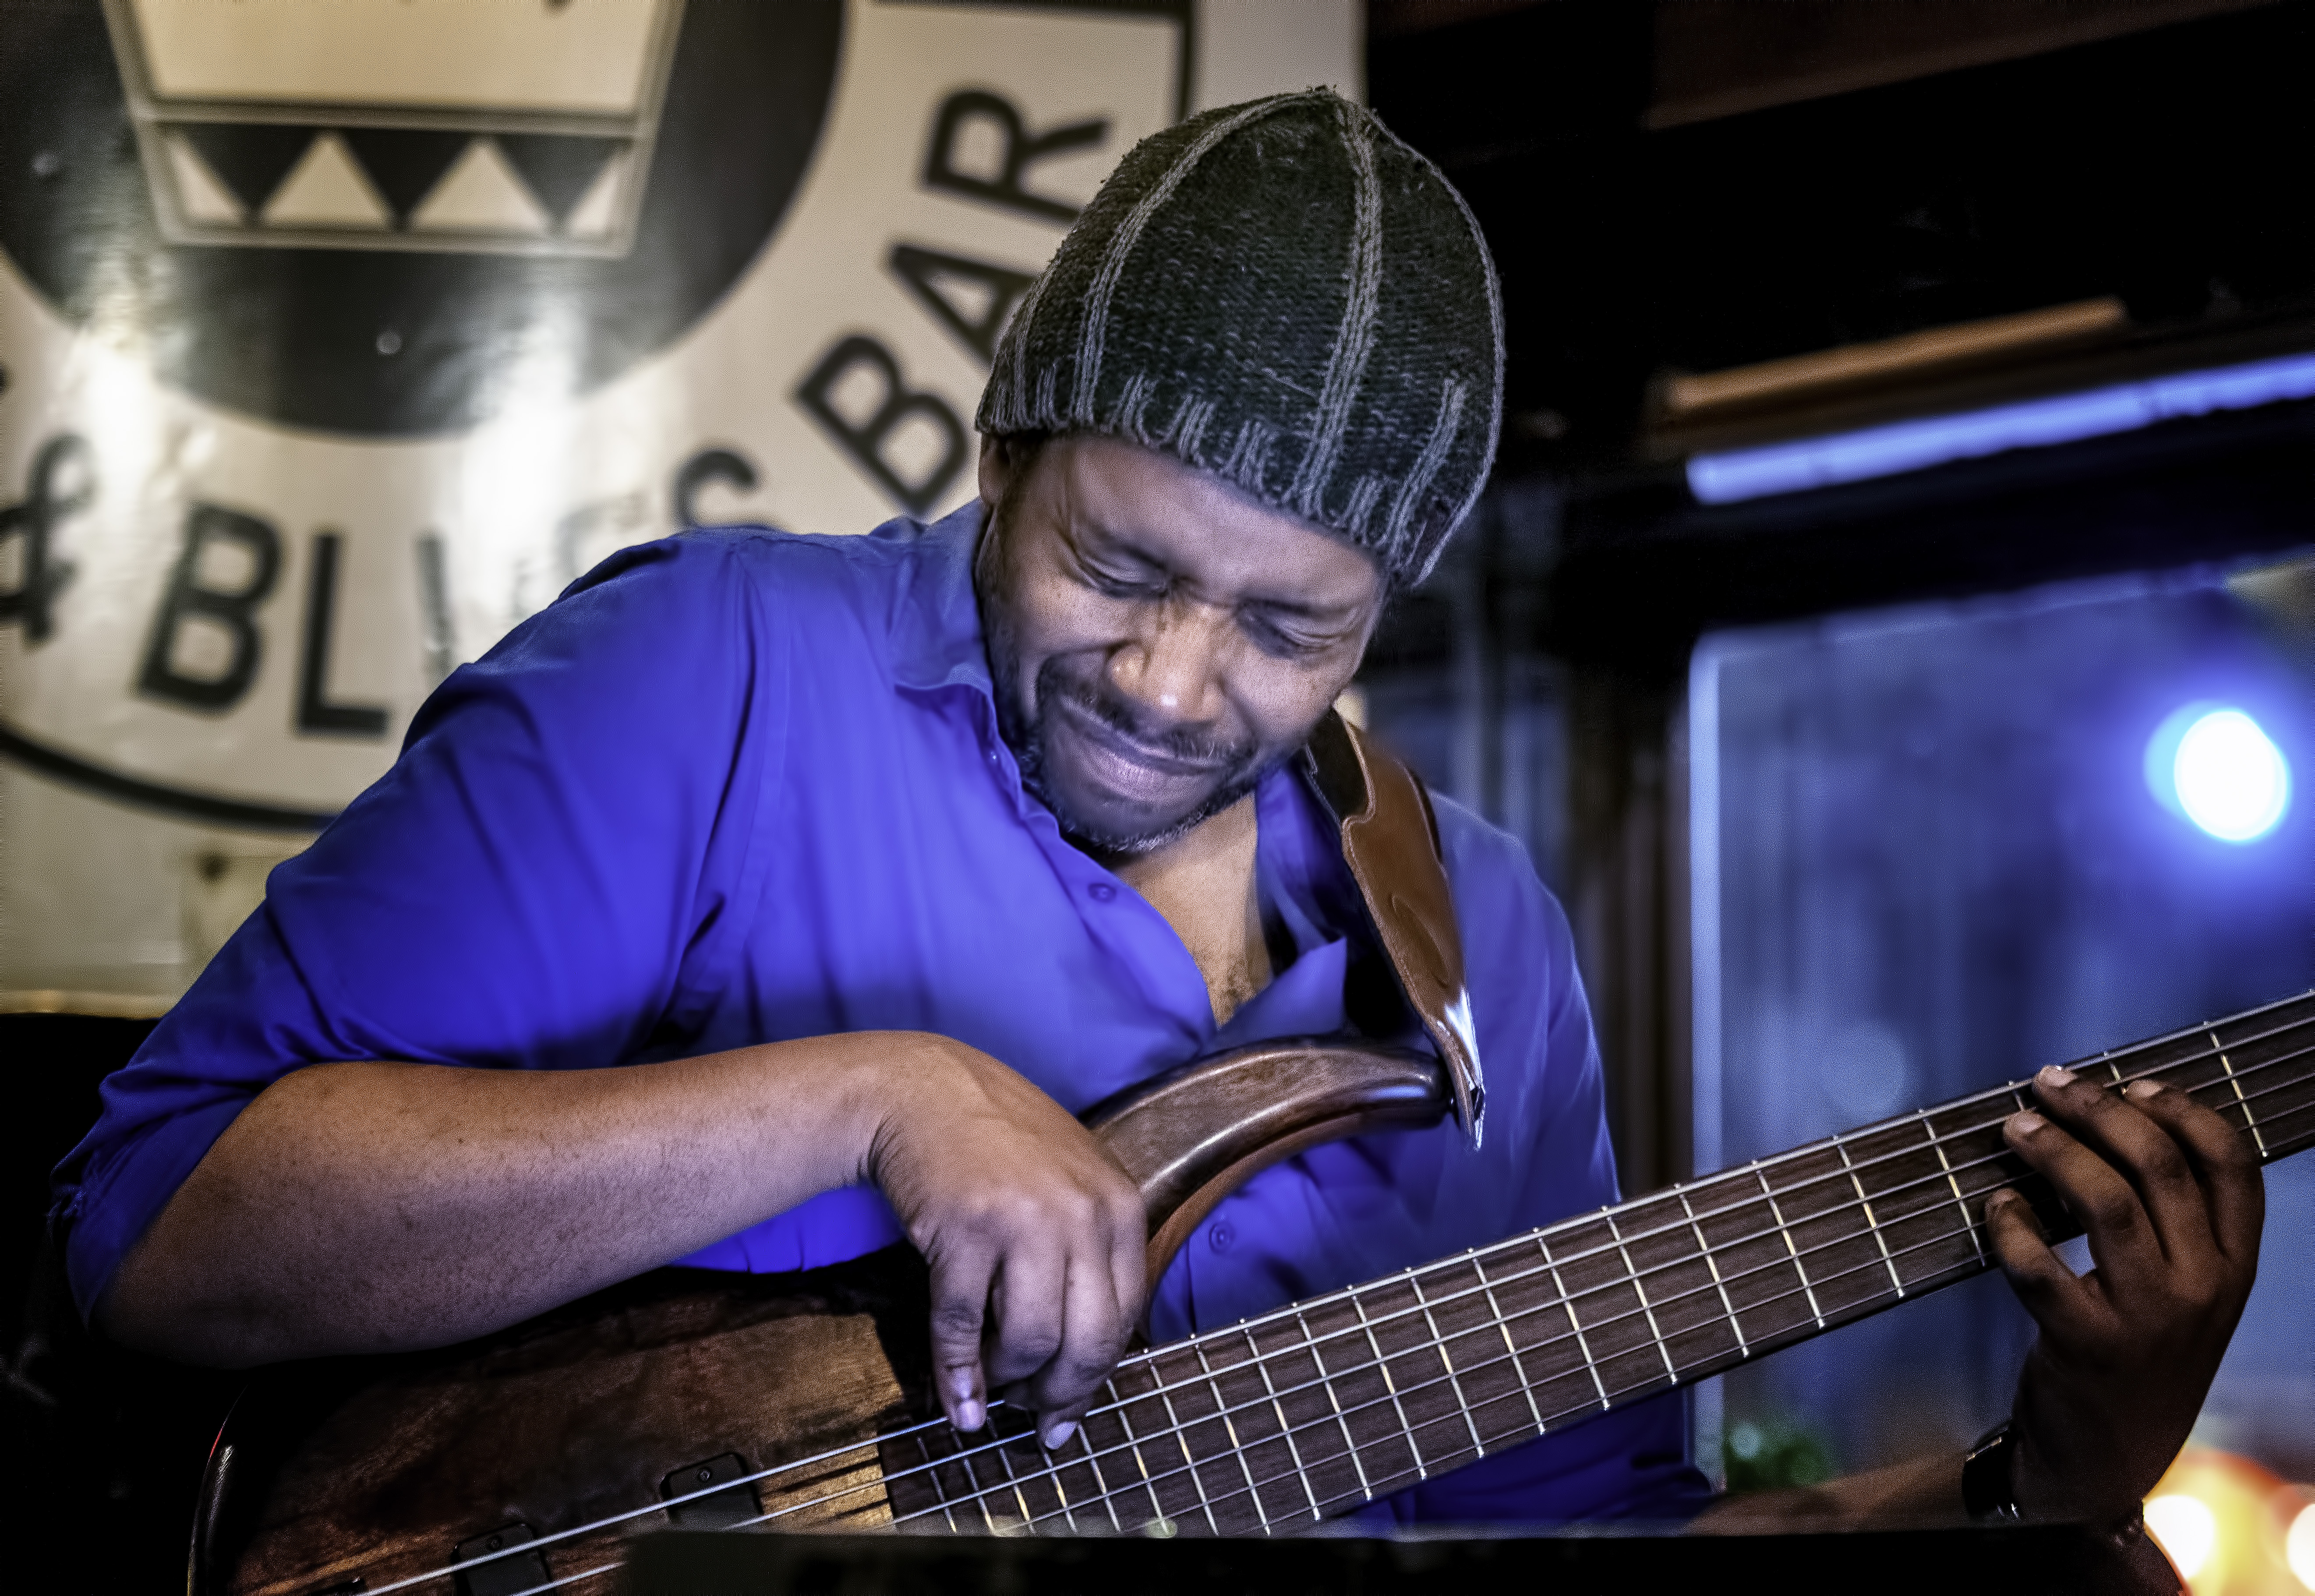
{"points": [[376, 257]]}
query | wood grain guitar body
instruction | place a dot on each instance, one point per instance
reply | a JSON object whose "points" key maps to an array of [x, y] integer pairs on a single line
{"points": [[669, 1398]]}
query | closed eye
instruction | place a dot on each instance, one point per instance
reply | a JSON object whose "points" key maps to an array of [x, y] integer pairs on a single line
{"points": [[1114, 582], [1282, 640]]}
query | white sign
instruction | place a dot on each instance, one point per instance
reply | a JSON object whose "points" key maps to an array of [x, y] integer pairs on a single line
{"points": [[347, 335]]}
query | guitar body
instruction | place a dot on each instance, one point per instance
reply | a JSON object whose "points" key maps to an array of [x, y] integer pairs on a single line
{"points": [[380, 1470], [681, 1382]]}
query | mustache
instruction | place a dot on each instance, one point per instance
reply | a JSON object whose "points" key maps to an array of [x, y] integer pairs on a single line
{"points": [[1096, 697]]}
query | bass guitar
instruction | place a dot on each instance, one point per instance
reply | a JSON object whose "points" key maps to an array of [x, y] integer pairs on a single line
{"points": [[525, 1461]]}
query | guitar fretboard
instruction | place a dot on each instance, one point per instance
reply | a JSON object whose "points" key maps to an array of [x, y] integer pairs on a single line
{"points": [[1305, 1413]]}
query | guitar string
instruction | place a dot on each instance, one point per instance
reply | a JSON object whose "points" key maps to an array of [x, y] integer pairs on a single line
{"points": [[1254, 1363], [1327, 1420], [1161, 1386], [1935, 1141], [1550, 1306], [1149, 1481], [1406, 1432]]}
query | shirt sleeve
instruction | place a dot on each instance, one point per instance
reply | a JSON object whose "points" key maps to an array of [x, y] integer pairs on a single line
{"points": [[1542, 1062], [557, 862]]}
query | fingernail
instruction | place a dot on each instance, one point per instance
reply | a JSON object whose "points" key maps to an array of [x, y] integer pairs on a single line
{"points": [[2054, 1076], [1058, 1436], [969, 1415], [2025, 1124], [2142, 1089]]}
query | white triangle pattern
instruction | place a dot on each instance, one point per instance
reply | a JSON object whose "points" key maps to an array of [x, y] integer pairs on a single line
{"points": [[326, 188], [598, 207], [481, 193], [201, 195]]}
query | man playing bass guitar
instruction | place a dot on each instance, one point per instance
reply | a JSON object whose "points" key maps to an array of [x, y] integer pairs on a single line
{"points": [[769, 899]]}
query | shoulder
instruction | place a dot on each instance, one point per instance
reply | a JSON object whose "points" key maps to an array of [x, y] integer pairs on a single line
{"points": [[704, 592], [797, 576], [1495, 885], [1519, 951]]}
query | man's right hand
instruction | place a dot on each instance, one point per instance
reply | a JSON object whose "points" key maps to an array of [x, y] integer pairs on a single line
{"points": [[1034, 1235]]}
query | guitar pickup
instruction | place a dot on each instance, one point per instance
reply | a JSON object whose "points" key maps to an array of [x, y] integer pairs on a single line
{"points": [[501, 1575], [721, 1510]]}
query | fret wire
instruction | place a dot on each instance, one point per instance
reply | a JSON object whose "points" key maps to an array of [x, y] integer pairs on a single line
{"points": [[1011, 1478], [1871, 1223], [1061, 1492], [1785, 1230], [2291, 1056], [1623, 1392], [1326, 1384], [1579, 1407], [1641, 1292], [1174, 1420], [980, 1494], [2249, 1124], [1987, 1094], [1938, 1146], [1438, 1345], [1502, 1327], [1133, 1450], [1563, 1303], [1582, 1347], [1410, 1428], [1100, 1480], [1285, 1428], [1650, 1384], [1639, 1389], [1237, 1448], [1609, 1397], [1713, 1264], [933, 1479], [1391, 1385]]}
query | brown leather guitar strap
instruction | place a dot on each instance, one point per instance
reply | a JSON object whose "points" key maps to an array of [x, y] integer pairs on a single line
{"points": [[1390, 840]]}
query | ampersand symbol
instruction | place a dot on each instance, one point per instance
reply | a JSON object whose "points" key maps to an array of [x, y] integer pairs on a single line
{"points": [[35, 520]]}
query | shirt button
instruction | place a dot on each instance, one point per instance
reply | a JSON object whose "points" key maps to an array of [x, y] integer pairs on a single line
{"points": [[1102, 891], [1219, 1237]]}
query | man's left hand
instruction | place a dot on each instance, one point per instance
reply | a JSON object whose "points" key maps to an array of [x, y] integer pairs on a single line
{"points": [[2172, 1201]]}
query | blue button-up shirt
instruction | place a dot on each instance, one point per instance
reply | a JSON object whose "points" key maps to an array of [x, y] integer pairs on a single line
{"points": [[739, 786]]}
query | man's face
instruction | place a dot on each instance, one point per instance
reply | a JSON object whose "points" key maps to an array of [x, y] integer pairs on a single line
{"points": [[1158, 640]]}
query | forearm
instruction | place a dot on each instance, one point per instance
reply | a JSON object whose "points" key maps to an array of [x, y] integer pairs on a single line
{"points": [[372, 1207]]}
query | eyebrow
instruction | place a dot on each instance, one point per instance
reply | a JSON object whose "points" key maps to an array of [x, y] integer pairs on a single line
{"points": [[1124, 543]]}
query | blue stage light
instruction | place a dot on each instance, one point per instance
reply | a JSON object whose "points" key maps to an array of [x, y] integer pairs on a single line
{"points": [[2214, 766]]}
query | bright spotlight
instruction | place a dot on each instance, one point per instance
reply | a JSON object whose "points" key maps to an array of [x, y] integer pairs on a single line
{"points": [[2186, 1529], [2217, 769], [2299, 1546]]}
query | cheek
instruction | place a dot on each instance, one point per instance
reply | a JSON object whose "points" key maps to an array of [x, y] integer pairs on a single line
{"points": [[1052, 615], [1282, 702]]}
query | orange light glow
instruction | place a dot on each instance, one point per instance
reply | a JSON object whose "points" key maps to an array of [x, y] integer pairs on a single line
{"points": [[2232, 1528]]}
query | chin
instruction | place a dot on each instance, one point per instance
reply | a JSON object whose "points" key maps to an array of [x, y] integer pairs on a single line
{"points": [[1115, 825]]}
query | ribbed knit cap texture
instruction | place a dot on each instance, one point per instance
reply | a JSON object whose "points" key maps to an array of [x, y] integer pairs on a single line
{"points": [[1282, 294]]}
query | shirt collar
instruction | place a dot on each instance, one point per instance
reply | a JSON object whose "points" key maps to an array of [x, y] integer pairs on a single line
{"points": [[1297, 863], [937, 631]]}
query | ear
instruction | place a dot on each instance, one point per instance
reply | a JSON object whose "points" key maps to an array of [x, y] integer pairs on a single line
{"points": [[996, 465]]}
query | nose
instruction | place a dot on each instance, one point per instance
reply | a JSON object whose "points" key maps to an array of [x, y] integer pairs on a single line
{"points": [[1171, 665]]}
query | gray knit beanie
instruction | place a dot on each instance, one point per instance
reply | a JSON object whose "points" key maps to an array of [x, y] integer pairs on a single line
{"points": [[1283, 293]]}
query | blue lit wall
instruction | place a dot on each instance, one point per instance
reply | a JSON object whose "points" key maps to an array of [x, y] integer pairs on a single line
{"points": [[1928, 859]]}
